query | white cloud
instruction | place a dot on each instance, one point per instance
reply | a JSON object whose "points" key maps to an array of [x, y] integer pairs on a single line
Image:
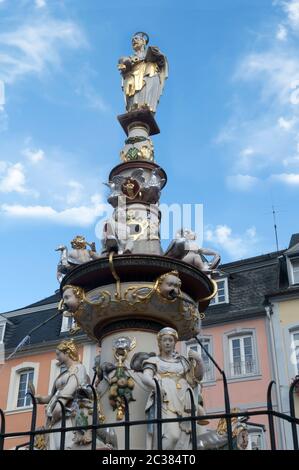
{"points": [[281, 33], [291, 161], [40, 3], [237, 246], [75, 194], [276, 70], [34, 47], [13, 178], [285, 123], [291, 7], [82, 216], [291, 179], [262, 134], [92, 98], [247, 152], [34, 156], [241, 182]]}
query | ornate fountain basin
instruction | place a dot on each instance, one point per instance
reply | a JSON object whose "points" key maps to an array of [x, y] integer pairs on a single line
{"points": [[123, 289]]}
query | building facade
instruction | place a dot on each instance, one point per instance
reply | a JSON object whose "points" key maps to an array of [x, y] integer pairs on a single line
{"points": [[35, 361], [251, 328], [283, 313], [235, 331]]}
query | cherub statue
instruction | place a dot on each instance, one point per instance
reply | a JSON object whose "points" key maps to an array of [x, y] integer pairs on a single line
{"points": [[143, 74], [116, 234], [78, 255], [184, 247]]}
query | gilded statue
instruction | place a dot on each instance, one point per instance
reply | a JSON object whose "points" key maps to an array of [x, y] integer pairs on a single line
{"points": [[143, 74]]}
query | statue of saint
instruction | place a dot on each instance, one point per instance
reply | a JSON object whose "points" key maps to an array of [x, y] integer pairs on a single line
{"points": [[144, 74], [176, 374]]}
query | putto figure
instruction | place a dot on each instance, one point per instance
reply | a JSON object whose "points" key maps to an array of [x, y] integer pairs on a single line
{"points": [[79, 254], [144, 74], [185, 247]]}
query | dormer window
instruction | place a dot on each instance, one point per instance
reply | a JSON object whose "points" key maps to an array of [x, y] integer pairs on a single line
{"points": [[67, 324], [293, 269], [2, 331], [222, 294], [295, 266]]}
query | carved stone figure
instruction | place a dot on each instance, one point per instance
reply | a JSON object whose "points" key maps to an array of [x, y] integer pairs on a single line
{"points": [[116, 234], [71, 389], [143, 74], [152, 188], [120, 382], [169, 285], [175, 374], [78, 255], [184, 247], [217, 439], [72, 299]]}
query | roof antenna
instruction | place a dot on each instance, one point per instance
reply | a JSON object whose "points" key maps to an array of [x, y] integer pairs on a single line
{"points": [[275, 227]]}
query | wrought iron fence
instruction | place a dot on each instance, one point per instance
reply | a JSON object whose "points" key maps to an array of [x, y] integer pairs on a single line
{"points": [[158, 421]]}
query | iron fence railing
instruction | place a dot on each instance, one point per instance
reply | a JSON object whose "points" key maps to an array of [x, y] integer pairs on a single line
{"points": [[128, 424]]}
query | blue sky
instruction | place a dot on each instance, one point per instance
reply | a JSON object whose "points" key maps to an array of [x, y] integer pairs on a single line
{"points": [[229, 123]]}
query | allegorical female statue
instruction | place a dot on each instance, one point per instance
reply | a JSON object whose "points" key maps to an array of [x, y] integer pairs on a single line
{"points": [[73, 375], [176, 374], [144, 74], [71, 389]]}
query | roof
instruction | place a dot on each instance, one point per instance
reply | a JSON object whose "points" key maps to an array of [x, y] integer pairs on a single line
{"points": [[47, 300], [52, 299], [248, 283], [50, 332], [255, 260], [23, 324], [294, 240]]}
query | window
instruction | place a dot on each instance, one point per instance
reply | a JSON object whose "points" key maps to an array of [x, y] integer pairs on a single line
{"points": [[222, 295], [256, 440], [295, 266], [25, 378], [20, 375], [208, 365], [2, 331], [67, 323], [242, 361], [293, 269], [295, 351]]}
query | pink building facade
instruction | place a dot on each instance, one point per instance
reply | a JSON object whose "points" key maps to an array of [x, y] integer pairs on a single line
{"points": [[236, 333]]}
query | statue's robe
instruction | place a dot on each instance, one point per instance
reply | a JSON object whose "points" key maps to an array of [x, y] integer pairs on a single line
{"points": [[144, 81]]}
